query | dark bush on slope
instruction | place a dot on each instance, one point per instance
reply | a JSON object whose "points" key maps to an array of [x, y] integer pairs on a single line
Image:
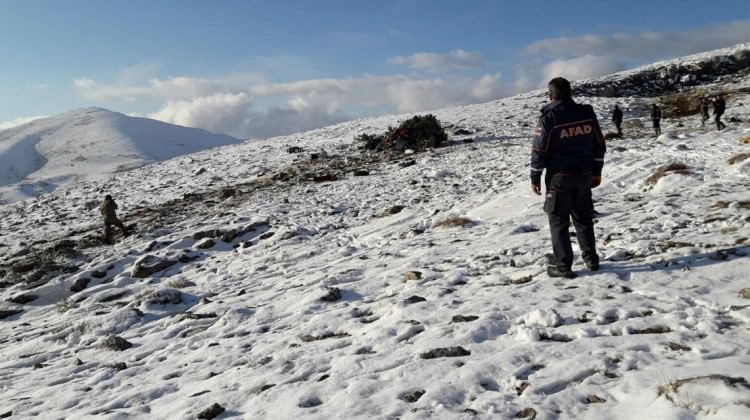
{"points": [[418, 133]]}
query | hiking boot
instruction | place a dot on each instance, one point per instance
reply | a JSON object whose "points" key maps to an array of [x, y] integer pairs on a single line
{"points": [[592, 265], [554, 271]]}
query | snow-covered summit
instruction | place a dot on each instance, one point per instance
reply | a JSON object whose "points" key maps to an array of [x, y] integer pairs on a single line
{"points": [[39, 156]]}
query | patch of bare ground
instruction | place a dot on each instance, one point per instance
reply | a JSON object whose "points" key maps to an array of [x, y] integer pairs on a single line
{"points": [[738, 158], [455, 221], [674, 167]]}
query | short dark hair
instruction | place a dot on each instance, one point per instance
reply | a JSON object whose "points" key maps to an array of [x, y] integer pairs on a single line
{"points": [[107, 197], [559, 88]]}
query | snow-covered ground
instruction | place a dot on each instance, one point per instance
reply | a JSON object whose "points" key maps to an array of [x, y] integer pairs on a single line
{"points": [[415, 291]]}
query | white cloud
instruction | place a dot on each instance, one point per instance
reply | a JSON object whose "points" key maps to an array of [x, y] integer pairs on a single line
{"points": [[248, 105], [594, 55], [175, 88], [584, 67], [242, 106], [220, 113], [645, 45], [440, 62], [18, 121]]}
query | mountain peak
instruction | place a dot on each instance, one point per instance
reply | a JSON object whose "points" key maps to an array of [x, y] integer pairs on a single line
{"points": [[40, 156]]}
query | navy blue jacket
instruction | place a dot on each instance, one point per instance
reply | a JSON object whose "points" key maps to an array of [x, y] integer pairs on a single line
{"points": [[567, 139]]}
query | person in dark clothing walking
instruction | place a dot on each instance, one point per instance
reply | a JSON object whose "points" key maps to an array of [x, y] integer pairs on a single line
{"points": [[569, 147], [704, 112], [719, 108], [656, 118], [108, 210], [617, 119]]}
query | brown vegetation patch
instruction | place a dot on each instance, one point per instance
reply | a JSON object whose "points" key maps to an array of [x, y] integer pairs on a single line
{"points": [[308, 338], [677, 346], [674, 167], [658, 329], [669, 389], [454, 221], [738, 158]]}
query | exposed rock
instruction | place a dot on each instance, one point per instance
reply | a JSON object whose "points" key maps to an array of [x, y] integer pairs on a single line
{"points": [[228, 192], [23, 299], [308, 338], [393, 210], [114, 296], [745, 293], [412, 276], [230, 234], [324, 178], [80, 284], [150, 265], [461, 318], [526, 413], [593, 399], [5, 313], [310, 402], [116, 343], [206, 243], [167, 296], [333, 295], [98, 274], [457, 351], [411, 397], [294, 149], [211, 412], [415, 299], [119, 366], [360, 172], [262, 388], [192, 315], [212, 233], [25, 266]]}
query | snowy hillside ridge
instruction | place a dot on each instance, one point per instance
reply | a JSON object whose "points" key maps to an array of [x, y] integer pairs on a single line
{"points": [[301, 277], [668, 76], [39, 156]]}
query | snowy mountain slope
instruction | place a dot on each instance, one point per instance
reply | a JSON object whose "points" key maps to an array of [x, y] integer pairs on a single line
{"points": [[39, 156], [416, 291]]}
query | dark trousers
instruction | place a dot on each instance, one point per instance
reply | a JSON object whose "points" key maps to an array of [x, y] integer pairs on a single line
{"points": [[657, 126], [569, 196], [108, 229], [618, 125], [719, 125]]}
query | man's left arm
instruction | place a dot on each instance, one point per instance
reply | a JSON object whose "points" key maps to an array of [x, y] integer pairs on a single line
{"points": [[599, 149]]}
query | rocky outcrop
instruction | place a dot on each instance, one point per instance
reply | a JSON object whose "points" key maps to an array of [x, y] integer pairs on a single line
{"points": [[671, 77]]}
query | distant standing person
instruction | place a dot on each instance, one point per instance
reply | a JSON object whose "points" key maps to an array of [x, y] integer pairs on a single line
{"points": [[719, 107], [656, 118], [108, 209], [704, 112], [617, 119], [569, 148]]}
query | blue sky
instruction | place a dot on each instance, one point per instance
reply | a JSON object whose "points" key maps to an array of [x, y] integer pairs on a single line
{"points": [[262, 68]]}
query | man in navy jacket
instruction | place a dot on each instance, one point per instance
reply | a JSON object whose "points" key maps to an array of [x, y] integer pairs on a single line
{"points": [[569, 146]]}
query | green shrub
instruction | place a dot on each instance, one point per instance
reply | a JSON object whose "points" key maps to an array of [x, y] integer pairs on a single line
{"points": [[418, 133]]}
